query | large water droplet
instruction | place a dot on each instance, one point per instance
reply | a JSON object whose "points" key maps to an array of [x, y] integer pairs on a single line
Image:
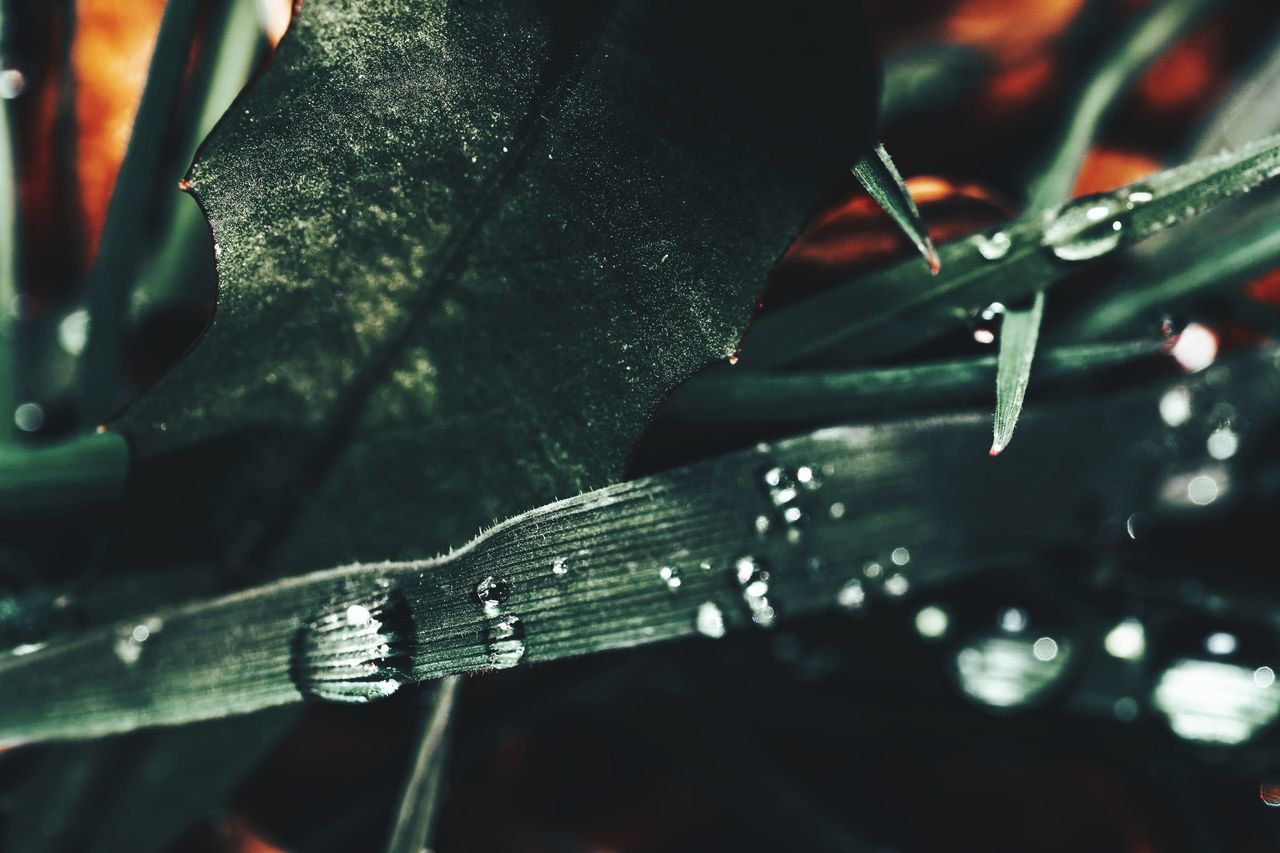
{"points": [[492, 592], [560, 566], [1086, 228], [356, 651], [671, 577]]}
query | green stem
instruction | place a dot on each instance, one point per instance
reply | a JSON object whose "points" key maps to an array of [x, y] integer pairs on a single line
{"points": [[10, 251], [121, 246]]}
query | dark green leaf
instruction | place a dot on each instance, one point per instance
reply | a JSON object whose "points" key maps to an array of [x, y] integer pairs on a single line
{"points": [[465, 249]]}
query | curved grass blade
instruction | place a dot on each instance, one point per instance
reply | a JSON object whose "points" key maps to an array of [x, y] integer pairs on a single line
{"points": [[731, 397], [419, 802], [880, 178], [114, 268], [1133, 52], [897, 308], [738, 542]]}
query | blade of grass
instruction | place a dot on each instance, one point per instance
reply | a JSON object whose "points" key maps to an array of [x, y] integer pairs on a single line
{"points": [[673, 555], [419, 802], [112, 275], [1151, 33], [793, 397], [82, 472], [10, 250], [880, 178], [1018, 333], [897, 308]]}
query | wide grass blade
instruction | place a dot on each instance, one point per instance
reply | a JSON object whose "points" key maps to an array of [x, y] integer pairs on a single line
{"points": [[739, 542]]}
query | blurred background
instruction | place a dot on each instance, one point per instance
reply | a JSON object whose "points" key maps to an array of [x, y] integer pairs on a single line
{"points": [[1133, 729]]}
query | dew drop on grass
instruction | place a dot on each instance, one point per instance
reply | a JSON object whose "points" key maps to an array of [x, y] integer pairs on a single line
{"points": [[355, 651], [753, 579], [993, 247], [852, 595], [1086, 228], [560, 566], [709, 620], [492, 592], [504, 641], [671, 577]]}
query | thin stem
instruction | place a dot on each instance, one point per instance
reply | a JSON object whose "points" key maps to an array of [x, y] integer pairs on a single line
{"points": [[420, 799], [10, 249]]}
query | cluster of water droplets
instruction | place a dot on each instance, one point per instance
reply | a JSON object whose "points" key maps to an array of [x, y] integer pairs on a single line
{"points": [[131, 639], [358, 649], [504, 632]]}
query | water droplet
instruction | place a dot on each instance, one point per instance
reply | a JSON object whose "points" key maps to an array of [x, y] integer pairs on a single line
{"points": [[897, 585], [1202, 490], [762, 524], [560, 566], [781, 485], [1127, 640], [504, 641], [900, 556], [1196, 347], [793, 515], [709, 620], [1137, 197], [1013, 620], [993, 247], [836, 510], [492, 592], [1270, 791], [984, 336], [73, 332], [1132, 524], [753, 578], [1264, 676], [356, 651], [852, 595], [12, 83], [1045, 649], [808, 478], [671, 577], [1175, 406], [1126, 709], [1222, 443], [28, 417], [1220, 643], [932, 622], [873, 570], [130, 638], [1085, 228]]}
